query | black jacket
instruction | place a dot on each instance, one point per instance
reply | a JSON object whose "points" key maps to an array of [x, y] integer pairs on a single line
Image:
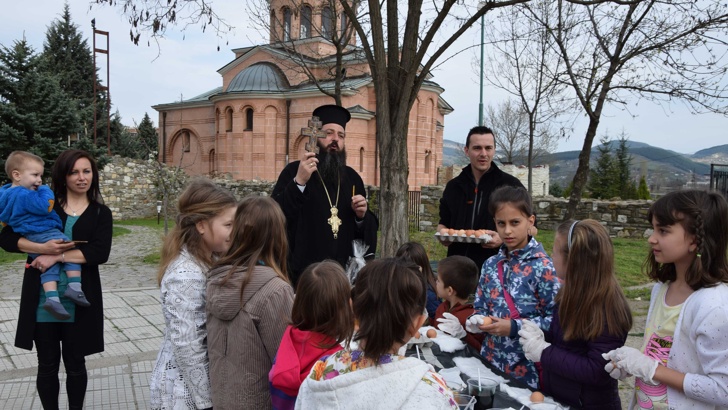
{"points": [[309, 235], [465, 206], [95, 226]]}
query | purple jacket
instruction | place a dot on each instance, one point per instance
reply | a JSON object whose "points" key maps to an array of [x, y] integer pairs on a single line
{"points": [[573, 371]]}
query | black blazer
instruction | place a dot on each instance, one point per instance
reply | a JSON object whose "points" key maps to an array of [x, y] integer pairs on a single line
{"points": [[95, 226]]}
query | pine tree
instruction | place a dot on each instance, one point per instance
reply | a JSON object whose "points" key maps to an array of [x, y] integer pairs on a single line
{"points": [[67, 54], [148, 137], [626, 188], [643, 192], [602, 178], [35, 114]]}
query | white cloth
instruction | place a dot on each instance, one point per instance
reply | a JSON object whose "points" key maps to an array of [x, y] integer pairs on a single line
{"points": [[180, 379], [395, 385], [699, 349], [474, 368]]}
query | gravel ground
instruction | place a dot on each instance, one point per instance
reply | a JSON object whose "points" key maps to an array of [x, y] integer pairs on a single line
{"points": [[124, 270]]}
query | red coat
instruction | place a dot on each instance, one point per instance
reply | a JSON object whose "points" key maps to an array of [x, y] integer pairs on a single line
{"points": [[462, 312]]}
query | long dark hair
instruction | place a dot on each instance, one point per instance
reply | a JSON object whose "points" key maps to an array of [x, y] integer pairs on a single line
{"points": [[387, 296], [62, 168], [322, 302], [702, 214], [415, 252]]}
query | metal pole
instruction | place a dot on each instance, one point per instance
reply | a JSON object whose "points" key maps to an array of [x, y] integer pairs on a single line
{"points": [[480, 106]]}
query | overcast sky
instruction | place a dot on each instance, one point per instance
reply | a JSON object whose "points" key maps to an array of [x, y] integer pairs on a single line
{"points": [[143, 76]]}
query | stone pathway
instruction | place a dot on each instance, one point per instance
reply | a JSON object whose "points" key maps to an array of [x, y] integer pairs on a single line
{"points": [[126, 268]]}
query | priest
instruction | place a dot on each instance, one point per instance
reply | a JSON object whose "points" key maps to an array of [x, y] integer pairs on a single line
{"points": [[324, 200]]}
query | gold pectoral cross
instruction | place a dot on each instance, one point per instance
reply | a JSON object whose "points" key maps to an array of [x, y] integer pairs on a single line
{"points": [[335, 221]]}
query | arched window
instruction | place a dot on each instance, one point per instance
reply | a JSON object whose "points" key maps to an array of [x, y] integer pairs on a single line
{"points": [[344, 22], [305, 22], [428, 158], [286, 24], [327, 22], [361, 159], [217, 121], [186, 141], [212, 168], [229, 119], [249, 119]]}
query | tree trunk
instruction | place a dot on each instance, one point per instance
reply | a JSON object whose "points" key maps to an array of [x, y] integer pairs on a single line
{"points": [[582, 172], [393, 221]]}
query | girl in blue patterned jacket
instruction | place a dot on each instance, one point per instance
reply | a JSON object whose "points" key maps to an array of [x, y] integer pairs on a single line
{"points": [[517, 283]]}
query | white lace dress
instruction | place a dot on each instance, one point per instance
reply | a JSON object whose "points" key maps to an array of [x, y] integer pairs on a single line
{"points": [[180, 379]]}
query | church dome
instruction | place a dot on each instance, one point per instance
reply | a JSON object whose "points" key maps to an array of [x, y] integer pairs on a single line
{"points": [[260, 77]]}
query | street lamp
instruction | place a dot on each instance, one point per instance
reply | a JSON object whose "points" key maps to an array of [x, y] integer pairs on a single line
{"points": [[159, 210], [482, 40]]}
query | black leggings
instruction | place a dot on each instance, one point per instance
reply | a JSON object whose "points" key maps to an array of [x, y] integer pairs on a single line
{"points": [[48, 340]]}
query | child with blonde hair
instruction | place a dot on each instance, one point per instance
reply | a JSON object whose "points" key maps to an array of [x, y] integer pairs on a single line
{"points": [[181, 376]]}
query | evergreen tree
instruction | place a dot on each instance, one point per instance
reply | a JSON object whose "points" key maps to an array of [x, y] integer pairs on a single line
{"points": [[602, 178], [35, 114], [643, 192], [626, 188], [67, 54], [148, 137]]}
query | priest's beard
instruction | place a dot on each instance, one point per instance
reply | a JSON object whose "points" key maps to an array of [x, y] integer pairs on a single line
{"points": [[331, 164]]}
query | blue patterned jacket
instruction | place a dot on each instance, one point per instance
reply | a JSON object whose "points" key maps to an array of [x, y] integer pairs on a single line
{"points": [[531, 281]]}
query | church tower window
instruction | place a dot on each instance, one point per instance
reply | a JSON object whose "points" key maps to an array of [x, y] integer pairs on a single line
{"points": [[305, 22], [286, 24]]}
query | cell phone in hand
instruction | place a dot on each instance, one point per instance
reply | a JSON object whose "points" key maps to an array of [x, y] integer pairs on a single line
{"points": [[76, 242]]}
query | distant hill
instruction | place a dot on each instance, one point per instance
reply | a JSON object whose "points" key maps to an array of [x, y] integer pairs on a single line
{"points": [[661, 166], [452, 153]]}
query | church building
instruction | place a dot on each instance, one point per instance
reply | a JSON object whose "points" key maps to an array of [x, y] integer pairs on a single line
{"points": [[250, 127]]}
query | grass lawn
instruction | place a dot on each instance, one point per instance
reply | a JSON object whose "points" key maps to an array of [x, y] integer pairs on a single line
{"points": [[629, 255]]}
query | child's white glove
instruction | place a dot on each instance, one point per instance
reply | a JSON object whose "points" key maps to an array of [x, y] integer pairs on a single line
{"points": [[532, 340], [473, 323], [632, 361], [614, 371], [451, 325]]}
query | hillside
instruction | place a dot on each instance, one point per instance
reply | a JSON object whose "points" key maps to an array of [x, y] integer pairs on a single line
{"points": [[663, 167]]}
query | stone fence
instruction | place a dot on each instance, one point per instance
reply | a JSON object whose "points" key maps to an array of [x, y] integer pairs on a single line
{"points": [[130, 189], [624, 219]]}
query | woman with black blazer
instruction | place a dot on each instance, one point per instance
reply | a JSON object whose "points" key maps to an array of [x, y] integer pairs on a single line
{"points": [[75, 183]]}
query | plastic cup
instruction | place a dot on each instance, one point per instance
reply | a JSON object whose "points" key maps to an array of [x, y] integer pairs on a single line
{"points": [[484, 390], [464, 401]]}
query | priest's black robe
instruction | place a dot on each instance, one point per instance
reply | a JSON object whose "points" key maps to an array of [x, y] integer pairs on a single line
{"points": [[310, 238]]}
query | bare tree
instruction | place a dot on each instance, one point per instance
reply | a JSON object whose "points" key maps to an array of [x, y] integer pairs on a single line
{"points": [[320, 65], [402, 43], [511, 127], [522, 61], [650, 49]]}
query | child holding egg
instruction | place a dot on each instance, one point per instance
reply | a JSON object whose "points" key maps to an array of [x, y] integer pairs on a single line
{"points": [[457, 279], [591, 317], [517, 283]]}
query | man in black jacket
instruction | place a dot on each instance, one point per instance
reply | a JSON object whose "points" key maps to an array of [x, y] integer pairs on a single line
{"points": [[324, 200], [464, 203]]}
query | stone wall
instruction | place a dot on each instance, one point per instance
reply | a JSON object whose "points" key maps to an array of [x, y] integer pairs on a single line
{"points": [[621, 218], [130, 187]]}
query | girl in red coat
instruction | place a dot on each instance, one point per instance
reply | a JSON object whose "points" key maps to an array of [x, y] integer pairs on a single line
{"points": [[322, 320]]}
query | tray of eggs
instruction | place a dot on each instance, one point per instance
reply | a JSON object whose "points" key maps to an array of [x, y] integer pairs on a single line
{"points": [[463, 235]]}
